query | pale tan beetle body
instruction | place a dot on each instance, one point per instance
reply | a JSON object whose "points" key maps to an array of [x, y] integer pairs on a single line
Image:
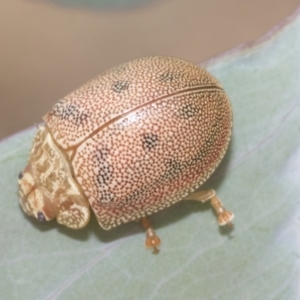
{"points": [[129, 143]]}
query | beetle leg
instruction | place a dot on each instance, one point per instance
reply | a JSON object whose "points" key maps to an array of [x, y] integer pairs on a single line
{"points": [[202, 196], [224, 216], [152, 240]]}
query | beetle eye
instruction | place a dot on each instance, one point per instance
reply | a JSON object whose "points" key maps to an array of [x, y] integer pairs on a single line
{"points": [[21, 174], [41, 217]]}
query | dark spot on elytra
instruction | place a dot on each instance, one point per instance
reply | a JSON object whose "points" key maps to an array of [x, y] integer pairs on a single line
{"points": [[105, 169], [104, 174], [41, 217], [106, 197], [150, 141], [21, 174], [69, 112], [168, 76], [188, 111], [174, 168], [120, 86]]}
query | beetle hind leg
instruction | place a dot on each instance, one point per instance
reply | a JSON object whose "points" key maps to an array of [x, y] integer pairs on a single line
{"points": [[224, 216], [152, 240]]}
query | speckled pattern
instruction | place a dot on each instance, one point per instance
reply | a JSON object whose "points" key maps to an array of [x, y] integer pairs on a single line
{"points": [[142, 135], [118, 91]]}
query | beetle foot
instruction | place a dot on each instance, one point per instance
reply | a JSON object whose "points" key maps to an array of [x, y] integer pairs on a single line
{"points": [[224, 216], [152, 240]]}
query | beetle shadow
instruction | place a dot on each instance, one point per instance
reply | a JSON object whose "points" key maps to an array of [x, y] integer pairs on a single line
{"points": [[93, 228], [166, 217], [83, 234]]}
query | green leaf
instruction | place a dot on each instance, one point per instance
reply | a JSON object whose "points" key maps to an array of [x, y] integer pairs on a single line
{"points": [[258, 180]]}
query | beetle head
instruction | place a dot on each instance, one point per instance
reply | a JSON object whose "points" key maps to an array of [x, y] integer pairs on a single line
{"points": [[46, 187], [32, 199]]}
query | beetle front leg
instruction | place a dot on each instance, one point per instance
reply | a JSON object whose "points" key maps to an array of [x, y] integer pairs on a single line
{"points": [[224, 216], [152, 240]]}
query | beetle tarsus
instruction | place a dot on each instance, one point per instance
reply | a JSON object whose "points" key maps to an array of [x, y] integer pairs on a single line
{"points": [[152, 240], [224, 216]]}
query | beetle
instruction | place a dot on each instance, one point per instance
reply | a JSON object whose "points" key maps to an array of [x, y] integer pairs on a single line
{"points": [[131, 142]]}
